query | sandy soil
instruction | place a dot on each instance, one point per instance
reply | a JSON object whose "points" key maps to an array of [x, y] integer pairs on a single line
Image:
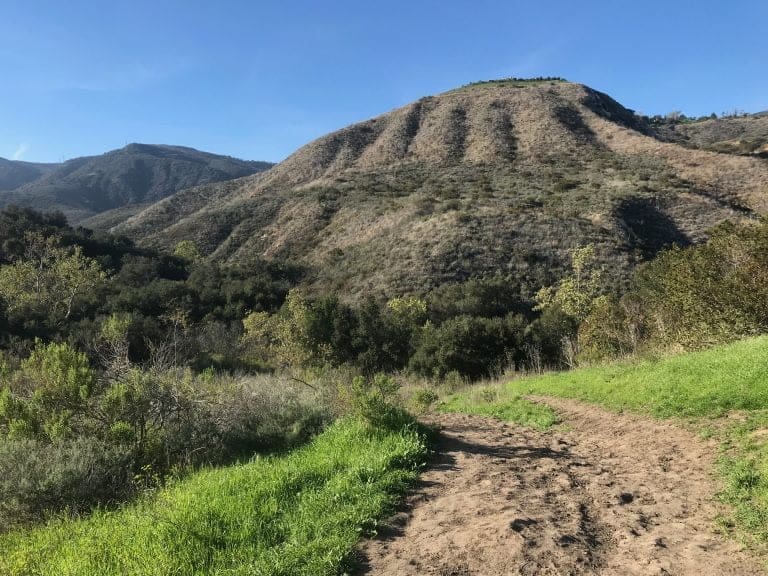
{"points": [[605, 494]]}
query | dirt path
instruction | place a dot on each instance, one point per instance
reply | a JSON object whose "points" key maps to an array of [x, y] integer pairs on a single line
{"points": [[608, 494]]}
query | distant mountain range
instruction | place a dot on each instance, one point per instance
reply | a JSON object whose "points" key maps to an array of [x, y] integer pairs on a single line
{"points": [[116, 184]]}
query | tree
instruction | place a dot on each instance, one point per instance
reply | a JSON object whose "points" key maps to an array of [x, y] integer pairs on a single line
{"points": [[575, 294], [48, 279], [187, 251]]}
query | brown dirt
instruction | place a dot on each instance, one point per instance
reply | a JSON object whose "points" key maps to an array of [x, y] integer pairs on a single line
{"points": [[605, 494]]}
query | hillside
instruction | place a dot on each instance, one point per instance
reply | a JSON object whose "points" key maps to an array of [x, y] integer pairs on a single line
{"points": [[14, 173], [119, 182], [745, 135], [497, 177]]}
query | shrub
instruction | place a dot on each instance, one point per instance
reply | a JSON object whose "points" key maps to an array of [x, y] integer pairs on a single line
{"points": [[48, 392], [424, 398], [37, 478], [705, 294], [472, 346], [375, 400]]}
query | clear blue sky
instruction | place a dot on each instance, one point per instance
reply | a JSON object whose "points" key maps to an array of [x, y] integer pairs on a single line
{"points": [[257, 79]]}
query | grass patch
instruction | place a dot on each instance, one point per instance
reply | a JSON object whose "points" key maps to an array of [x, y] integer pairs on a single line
{"points": [[502, 404], [709, 383], [297, 514]]}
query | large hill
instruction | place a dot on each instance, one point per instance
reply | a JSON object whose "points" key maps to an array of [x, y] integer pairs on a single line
{"points": [[493, 178], [116, 184]]}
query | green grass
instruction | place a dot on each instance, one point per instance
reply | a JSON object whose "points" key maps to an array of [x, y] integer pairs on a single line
{"points": [[722, 392], [502, 404], [709, 383], [298, 514]]}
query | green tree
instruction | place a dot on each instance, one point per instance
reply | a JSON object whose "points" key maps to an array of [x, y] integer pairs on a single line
{"points": [[187, 250], [49, 279], [575, 294]]}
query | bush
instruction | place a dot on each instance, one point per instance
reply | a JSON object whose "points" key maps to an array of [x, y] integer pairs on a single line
{"points": [[47, 394], [705, 294], [37, 478], [472, 346], [424, 398], [375, 400], [104, 438]]}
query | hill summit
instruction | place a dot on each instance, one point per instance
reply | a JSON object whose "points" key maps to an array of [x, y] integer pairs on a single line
{"points": [[497, 177]]}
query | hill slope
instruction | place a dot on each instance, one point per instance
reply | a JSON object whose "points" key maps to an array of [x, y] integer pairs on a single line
{"points": [[14, 173], [747, 135], [499, 177], [122, 180]]}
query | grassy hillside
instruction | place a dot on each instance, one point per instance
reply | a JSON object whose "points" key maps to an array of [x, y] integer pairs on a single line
{"points": [[722, 392], [493, 178], [702, 384], [288, 515]]}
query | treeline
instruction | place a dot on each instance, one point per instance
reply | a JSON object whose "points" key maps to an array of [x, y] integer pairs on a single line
{"points": [[60, 283], [514, 79], [471, 330], [685, 298]]}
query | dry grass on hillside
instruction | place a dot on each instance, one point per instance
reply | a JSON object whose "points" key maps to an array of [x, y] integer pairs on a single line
{"points": [[482, 180]]}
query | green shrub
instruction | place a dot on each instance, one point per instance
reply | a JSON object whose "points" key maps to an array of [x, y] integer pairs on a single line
{"points": [[48, 392], [424, 398], [376, 401], [472, 346], [38, 478], [141, 423]]}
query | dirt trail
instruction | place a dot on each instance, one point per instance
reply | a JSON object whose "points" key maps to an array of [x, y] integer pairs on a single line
{"points": [[608, 494]]}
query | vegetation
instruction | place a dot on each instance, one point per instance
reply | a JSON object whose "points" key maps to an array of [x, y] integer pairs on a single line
{"points": [[690, 298], [502, 404], [301, 513], [517, 82], [72, 439]]}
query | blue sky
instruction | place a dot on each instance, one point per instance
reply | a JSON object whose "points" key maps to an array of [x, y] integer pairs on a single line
{"points": [[258, 79]]}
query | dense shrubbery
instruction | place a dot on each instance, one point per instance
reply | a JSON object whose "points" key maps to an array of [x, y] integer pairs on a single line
{"points": [[72, 438], [688, 298], [474, 329], [471, 345], [57, 282]]}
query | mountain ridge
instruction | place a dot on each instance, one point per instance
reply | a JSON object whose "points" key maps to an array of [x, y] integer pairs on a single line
{"points": [[134, 176]]}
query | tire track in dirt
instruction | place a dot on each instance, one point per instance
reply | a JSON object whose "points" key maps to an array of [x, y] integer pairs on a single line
{"points": [[609, 494]]}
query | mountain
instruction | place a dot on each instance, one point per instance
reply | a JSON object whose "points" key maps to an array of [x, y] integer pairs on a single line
{"points": [[14, 174], [500, 177], [116, 184]]}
